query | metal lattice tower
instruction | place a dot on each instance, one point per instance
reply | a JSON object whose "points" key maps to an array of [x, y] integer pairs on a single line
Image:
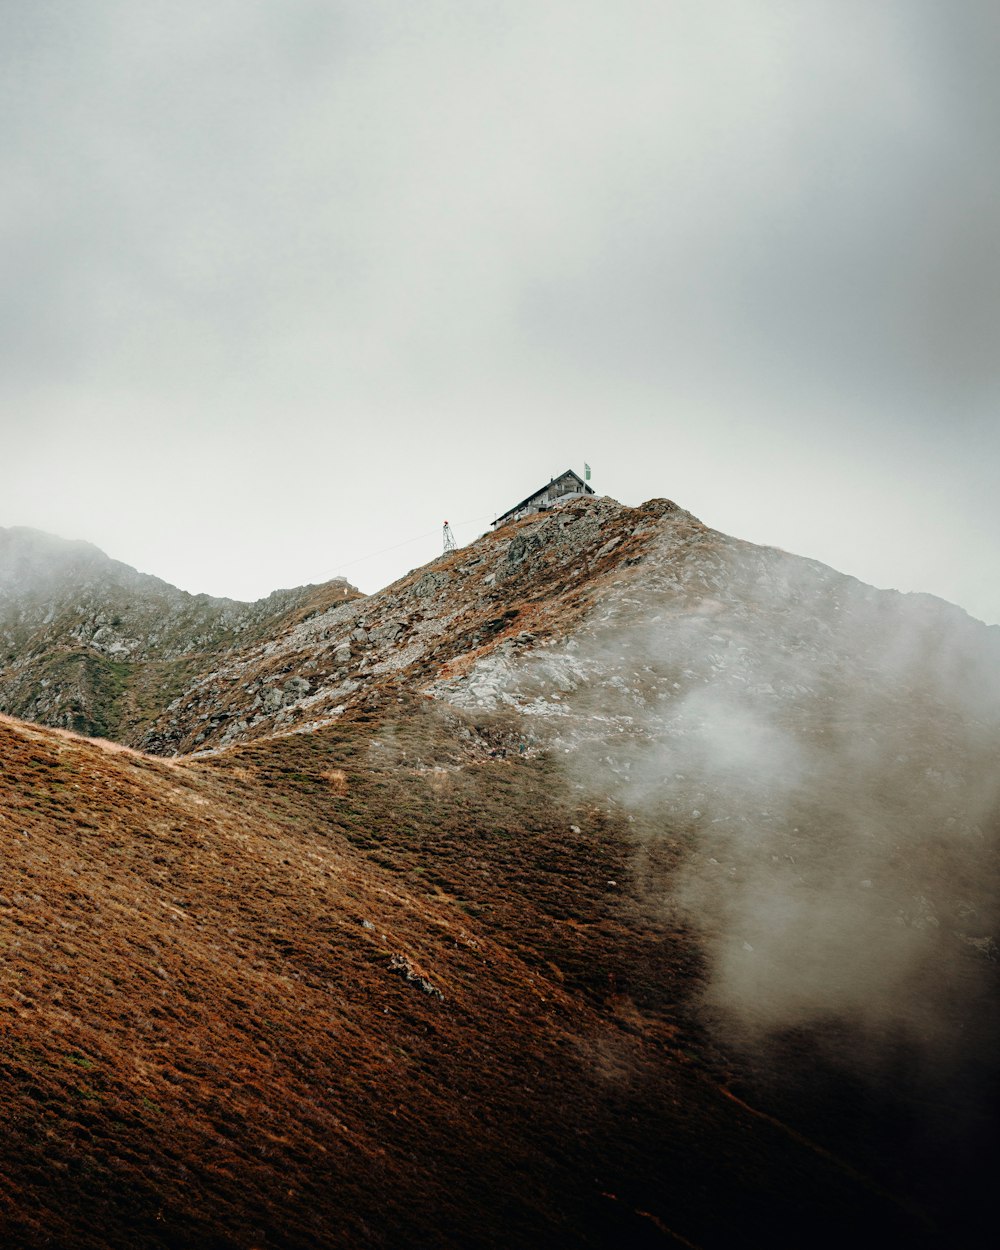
{"points": [[449, 538]]}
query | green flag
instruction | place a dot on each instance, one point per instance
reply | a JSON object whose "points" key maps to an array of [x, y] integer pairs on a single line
{"points": [[586, 472]]}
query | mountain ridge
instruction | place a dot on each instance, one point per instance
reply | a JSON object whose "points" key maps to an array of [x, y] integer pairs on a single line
{"points": [[91, 644], [328, 643]]}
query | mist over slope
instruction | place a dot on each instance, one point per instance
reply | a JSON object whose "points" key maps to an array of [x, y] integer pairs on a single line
{"points": [[384, 984], [813, 765], [730, 815]]}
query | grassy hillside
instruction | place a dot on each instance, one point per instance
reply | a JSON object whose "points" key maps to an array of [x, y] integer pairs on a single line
{"points": [[388, 984]]}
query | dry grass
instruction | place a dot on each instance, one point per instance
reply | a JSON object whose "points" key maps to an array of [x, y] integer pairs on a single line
{"points": [[206, 1041], [337, 779]]}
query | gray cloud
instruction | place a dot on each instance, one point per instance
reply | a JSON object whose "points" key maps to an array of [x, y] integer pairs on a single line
{"points": [[834, 238], [742, 240]]}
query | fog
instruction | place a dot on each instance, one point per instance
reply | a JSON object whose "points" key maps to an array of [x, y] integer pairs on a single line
{"points": [[809, 766]]}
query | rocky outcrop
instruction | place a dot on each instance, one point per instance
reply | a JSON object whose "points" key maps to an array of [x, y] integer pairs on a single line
{"points": [[520, 618], [568, 600], [522, 586]]}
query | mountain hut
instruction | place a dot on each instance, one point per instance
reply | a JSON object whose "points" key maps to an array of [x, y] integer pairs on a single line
{"points": [[568, 485]]}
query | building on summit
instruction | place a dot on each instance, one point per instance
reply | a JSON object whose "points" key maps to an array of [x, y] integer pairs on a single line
{"points": [[568, 485]]}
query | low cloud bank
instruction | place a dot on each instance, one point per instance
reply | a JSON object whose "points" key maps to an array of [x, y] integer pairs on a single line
{"points": [[824, 754]]}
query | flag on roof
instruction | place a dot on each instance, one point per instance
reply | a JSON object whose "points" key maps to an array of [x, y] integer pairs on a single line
{"points": [[586, 472]]}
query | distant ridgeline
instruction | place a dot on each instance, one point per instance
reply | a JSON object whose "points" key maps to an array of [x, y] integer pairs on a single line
{"points": [[89, 644]]}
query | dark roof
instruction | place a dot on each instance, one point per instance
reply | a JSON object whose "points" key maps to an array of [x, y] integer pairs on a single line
{"points": [[541, 490]]}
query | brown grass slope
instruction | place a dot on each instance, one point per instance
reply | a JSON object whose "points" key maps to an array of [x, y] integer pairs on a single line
{"points": [[367, 987]]}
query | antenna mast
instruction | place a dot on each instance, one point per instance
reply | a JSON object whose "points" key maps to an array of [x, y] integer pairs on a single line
{"points": [[449, 538]]}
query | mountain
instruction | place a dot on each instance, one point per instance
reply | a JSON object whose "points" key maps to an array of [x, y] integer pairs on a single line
{"points": [[609, 882], [89, 644]]}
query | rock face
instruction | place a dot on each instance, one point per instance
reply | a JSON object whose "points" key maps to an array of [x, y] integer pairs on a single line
{"points": [[562, 602], [634, 609], [528, 583], [89, 644]]}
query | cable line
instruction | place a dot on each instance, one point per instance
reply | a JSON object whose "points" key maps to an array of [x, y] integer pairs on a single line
{"points": [[396, 546]]}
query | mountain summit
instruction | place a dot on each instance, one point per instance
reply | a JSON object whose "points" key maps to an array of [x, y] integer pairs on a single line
{"points": [[610, 881]]}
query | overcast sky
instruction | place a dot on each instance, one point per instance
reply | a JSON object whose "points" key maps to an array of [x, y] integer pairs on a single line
{"points": [[289, 282]]}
